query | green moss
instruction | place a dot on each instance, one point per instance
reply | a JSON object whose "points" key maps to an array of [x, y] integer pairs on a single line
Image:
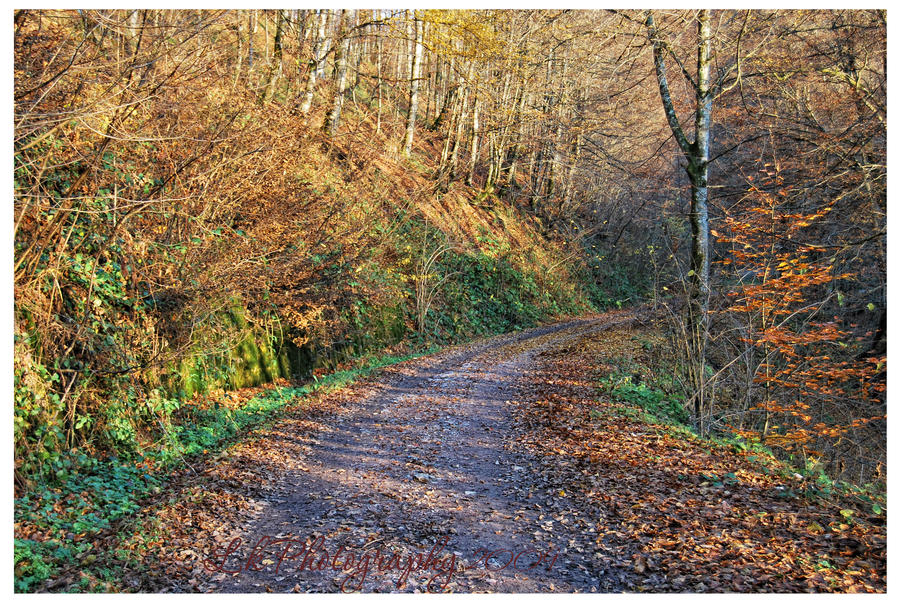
{"points": [[255, 359]]}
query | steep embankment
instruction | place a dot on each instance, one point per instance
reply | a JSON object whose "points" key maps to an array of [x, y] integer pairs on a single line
{"points": [[363, 251]]}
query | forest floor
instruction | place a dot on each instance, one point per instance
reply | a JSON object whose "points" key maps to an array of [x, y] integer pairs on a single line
{"points": [[497, 466]]}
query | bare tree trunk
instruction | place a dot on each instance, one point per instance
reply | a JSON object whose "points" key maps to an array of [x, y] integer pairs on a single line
{"points": [[275, 63], [699, 168], [133, 31], [460, 124], [448, 100], [342, 49], [398, 75], [314, 62], [473, 156], [410, 44], [326, 44], [302, 18], [697, 155], [493, 160], [432, 68], [254, 23], [266, 32], [573, 166], [240, 54], [499, 138], [509, 180], [544, 154], [360, 50], [414, 88], [379, 47], [532, 169]]}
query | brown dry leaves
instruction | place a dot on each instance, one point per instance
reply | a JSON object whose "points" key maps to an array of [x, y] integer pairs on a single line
{"points": [[660, 514]]}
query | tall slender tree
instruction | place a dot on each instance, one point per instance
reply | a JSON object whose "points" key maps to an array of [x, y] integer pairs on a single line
{"points": [[414, 85], [314, 62], [696, 153], [342, 49], [275, 63]]}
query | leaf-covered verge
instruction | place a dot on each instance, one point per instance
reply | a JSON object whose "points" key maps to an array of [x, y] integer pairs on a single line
{"points": [[681, 513]]}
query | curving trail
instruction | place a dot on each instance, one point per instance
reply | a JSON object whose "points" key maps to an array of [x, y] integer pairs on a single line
{"points": [[420, 482]]}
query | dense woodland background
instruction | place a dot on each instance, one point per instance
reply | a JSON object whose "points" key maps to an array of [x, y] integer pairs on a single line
{"points": [[207, 200]]}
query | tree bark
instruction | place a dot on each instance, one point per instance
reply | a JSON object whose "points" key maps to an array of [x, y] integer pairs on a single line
{"points": [[697, 155], [312, 71], [442, 115], [275, 63], [379, 45], [414, 88], [473, 156], [326, 43], [240, 54], [342, 48], [254, 23], [460, 124], [515, 152]]}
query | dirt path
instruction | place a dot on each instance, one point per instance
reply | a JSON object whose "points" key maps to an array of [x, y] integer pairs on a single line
{"points": [[495, 467], [420, 484]]}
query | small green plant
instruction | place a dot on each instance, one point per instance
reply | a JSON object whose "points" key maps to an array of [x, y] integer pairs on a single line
{"points": [[31, 567], [729, 479], [658, 405], [824, 563]]}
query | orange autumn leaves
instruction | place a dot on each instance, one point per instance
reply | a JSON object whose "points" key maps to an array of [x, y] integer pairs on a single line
{"points": [[807, 366]]}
